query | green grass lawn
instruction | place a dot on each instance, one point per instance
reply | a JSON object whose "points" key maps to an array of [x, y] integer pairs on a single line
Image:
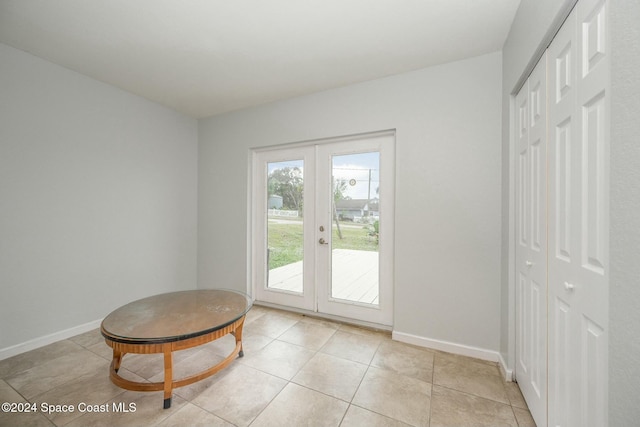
{"points": [[285, 242]]}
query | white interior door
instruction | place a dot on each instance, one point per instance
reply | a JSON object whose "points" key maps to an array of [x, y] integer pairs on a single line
{"points": [[323, 227], [578, 219], [531, 243]]}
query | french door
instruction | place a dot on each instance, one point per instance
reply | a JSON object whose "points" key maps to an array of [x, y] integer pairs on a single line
{"points": [[322, 227]]}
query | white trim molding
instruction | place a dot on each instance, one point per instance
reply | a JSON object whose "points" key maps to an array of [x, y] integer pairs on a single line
{"points": [[35, 343], [506, 372]]}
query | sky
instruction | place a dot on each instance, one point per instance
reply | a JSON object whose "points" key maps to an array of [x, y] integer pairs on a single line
{"points": [[356, 167], [353, 168]]}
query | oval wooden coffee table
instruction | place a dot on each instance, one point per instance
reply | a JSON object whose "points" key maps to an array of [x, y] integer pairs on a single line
{"points": [[174, 321]]}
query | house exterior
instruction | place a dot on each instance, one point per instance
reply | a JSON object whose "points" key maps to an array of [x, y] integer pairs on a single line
{"points": [[274, 202], [356, 209]]}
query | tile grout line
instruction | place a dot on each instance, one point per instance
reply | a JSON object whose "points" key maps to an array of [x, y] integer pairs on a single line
{"points": [[289, 381], [315, 352], [433, 375], [474, 395]]}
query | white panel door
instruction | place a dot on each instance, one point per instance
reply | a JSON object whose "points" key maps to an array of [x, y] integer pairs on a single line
{"points": [[578, 219], [563, 220], [531, 243]]}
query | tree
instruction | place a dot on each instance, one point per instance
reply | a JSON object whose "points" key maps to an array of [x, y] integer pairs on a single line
{"points": [[288, 183], [339, 187]]}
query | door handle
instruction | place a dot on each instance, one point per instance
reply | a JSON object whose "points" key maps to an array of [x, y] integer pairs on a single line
{"points": [[569, 286], [322, 241], [528, 263]]}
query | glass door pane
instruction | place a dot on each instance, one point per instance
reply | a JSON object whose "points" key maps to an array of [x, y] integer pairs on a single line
{"points": [[355, 228], [283, 247], [285, 225]]}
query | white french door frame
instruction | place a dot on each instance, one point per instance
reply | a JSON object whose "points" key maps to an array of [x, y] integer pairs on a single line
{"points": [[316, 295]]}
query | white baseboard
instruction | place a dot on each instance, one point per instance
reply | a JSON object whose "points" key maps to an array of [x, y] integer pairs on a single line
{"points": [[504, 369], [14, 350], [449, 347]]}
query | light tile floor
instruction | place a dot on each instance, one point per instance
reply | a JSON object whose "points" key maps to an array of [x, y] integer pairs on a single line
{"points": [[297, 371]]}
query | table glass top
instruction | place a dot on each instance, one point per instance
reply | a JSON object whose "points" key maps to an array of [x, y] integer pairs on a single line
{"points": [[175, 316]]}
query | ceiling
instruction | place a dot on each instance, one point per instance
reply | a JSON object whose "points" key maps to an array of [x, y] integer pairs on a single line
{"points": [[206, 57]]}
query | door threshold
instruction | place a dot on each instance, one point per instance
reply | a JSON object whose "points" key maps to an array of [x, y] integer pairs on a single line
{"points": [[339, 319]]}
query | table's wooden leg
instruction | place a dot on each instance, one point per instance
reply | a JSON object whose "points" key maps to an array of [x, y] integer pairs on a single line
{"points": [[117, 359], [168, 375], [238, 334]]}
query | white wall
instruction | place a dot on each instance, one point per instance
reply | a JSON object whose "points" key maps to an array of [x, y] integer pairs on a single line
{"points": [[98, 195], [447, 118], [624, 294]]}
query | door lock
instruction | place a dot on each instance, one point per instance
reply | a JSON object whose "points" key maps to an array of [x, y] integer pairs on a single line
{"points": [[322, 228]]}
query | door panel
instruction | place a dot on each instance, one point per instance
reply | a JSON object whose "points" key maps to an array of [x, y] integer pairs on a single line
{"points": [[355, 268], [523, 312], [593, 179], [538, 194], [591, 276], [354, 257], [559, 362], [564, 223], [562, 200], [285, 226], [283, 255], [531, 248], [579, 223]]}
